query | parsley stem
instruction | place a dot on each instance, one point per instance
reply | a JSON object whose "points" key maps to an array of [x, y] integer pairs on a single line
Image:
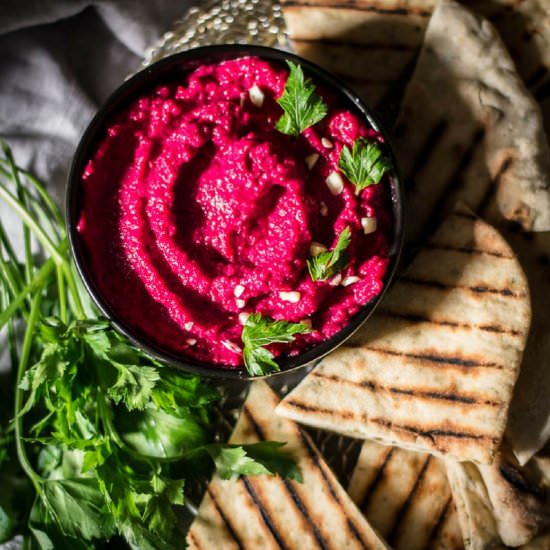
{"points": [[61, 295], [26, 217], [21, 196], [23, 363], [39, 280]]}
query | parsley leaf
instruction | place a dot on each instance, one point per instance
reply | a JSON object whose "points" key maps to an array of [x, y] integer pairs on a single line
{"points": [[264, 457], [302, 107], [134, 386], [261, 331], [364, 165], [327, 264]]}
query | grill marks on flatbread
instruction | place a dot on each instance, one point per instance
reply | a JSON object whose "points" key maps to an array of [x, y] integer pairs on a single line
{"points": [[380, 24], [369, 44], [270, 512], [434, 368], [406, 497]]}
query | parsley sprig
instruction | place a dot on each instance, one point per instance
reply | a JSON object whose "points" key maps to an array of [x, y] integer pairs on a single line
{"points": [[327, 264], [365, 164], [302, 106], [105, 439], [259, 332]]}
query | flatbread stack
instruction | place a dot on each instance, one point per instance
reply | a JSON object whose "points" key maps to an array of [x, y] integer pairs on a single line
{"points": [[268, 512], [433, 370], [432, 373]]}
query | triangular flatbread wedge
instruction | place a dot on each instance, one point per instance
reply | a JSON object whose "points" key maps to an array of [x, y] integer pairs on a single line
{"points": [[268, 512], [434, 369], [469, 129], [406, 497], [519, 506]]}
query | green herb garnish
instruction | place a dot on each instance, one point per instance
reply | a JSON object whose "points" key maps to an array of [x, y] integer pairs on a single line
{"points": [[327, 264], [104, 438], [261, 331], [364, 165], [302, 106]]}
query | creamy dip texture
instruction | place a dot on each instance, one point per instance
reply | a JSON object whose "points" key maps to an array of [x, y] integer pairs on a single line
{"points": [[197, 211]]}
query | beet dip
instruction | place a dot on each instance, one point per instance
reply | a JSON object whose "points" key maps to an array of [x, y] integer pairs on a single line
{"points": [[197, 211]]}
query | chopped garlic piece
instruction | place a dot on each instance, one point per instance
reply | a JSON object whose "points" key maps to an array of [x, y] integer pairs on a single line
{"points": [[191, 341], [243, 317], [189, 325], [256, 96], [369, 225], [241, 303], [311, 160], [350, 280], [293, 296], [231, 346], [323, 208], [335, 183], [336, 280], [327, 143], [238, 291]]}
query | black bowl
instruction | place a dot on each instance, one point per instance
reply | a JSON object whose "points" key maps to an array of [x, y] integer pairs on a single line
{"points": [[165, 70]]}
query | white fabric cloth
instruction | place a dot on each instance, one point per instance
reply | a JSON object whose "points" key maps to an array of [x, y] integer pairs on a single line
{"points": [[60, 60]]}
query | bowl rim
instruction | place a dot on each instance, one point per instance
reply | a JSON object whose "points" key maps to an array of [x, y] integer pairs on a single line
{"points": [[143, 81]]}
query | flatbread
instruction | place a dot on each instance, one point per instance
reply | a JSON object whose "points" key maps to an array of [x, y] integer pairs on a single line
{"points": [[406, 497], [480, 138], [479, 527], [500, 505], [394, 30], [469, 129], [271, 513], [433, 370], [368, 44], [519, 506]]}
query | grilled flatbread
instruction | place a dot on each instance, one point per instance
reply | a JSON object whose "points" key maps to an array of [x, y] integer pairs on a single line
{"points": [[501, 505], [433, 370], [369, 44], [344, 35], [478, 525], [406, 497], [271, 513], [469, 129], [519, 506], [480, 138]]}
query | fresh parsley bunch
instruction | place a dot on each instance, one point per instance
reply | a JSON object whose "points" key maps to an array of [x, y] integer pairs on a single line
{"points": [[102, 438]]}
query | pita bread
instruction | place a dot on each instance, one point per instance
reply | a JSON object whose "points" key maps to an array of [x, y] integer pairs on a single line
{"points": [[479, 96], [478, 525], [518, 504], [370, 44], [406, 497], [372, 27], [469, 129], [268, 512], [498, 505], [434, 368]]}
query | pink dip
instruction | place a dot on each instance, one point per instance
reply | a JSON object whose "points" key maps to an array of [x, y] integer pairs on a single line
{"points": [[196, 209]]}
